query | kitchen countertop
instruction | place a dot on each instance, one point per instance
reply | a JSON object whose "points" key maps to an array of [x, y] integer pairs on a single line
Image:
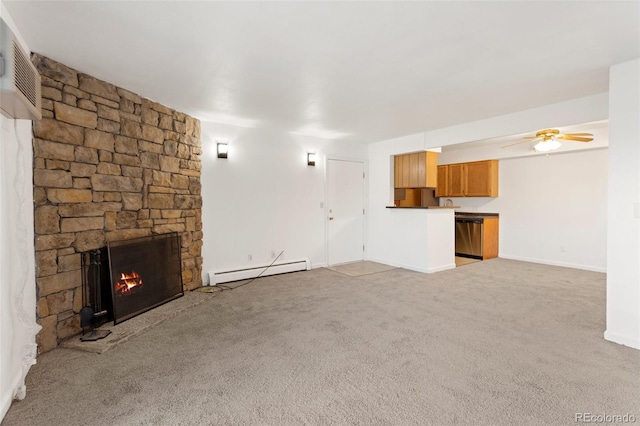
{"points": [[476, 214], [426, 207]]}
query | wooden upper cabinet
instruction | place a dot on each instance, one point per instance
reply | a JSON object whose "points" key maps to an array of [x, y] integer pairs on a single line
{"points": [[414, 179], [474, 179], [397, 171], [456, 178], [416, 170], [430, 169], [482, 179], [406, 171], [442, 188]]}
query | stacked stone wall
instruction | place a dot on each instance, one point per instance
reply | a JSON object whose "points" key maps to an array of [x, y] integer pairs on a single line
{"points": [[108, 165]]}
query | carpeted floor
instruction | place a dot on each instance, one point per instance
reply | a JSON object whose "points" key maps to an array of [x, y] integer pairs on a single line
{"points": [[498, 342]]}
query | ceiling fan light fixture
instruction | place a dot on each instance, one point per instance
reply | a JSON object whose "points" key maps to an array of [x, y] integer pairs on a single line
{"points": [[549, 139], [547, 145]]}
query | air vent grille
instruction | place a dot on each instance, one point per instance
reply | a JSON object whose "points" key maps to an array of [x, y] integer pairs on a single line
{"points": [[26, 79]]}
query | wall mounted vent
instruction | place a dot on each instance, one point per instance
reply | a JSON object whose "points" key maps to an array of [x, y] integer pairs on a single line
{"points": [[19, 79]]}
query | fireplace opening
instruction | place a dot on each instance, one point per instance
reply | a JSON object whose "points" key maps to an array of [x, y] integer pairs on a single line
{"points": [[127, 278], [145, 273]]}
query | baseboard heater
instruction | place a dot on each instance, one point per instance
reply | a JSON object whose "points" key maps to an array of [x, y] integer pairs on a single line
{"points": [[219, 277]]}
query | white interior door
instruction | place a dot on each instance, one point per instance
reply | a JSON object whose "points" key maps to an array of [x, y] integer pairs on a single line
{"points": [[345, 211]]}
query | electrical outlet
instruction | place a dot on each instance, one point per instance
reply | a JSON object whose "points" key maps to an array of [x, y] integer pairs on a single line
{"points": [[250, 257], [563, 249]]}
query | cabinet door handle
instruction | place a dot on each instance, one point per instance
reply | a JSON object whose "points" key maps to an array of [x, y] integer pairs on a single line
{"points": [[330, 218]]}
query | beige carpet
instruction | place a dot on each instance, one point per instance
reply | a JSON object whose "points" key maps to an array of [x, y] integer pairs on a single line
{"points": [[357, 269], [498, 342]]}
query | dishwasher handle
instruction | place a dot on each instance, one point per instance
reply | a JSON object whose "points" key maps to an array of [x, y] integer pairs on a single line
{"points": [[469, 220]]}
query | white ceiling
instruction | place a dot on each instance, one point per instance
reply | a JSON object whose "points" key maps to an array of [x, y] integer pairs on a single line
{"points": [[355, 71]]}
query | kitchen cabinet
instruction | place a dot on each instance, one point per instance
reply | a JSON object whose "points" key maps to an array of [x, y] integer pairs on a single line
{"points": [[416, 170], [482, 179], [442, 188], [402, 171], [490, 238], [406, 171], [456, 177], [397, 171], [410, 197], [474, 179]]}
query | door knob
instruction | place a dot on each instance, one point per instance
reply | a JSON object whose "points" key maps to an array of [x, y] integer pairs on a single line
{"points": [[330, 218]]}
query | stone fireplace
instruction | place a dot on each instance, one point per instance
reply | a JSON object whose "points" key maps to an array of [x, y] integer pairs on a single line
{"points": [[108, 165]]}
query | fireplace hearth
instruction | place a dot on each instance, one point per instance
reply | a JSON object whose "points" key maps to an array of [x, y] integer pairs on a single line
{"points": [[130, 277]]}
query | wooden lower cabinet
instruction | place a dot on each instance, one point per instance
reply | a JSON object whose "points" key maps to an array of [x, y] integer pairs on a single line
{"points": [[490, 238]]}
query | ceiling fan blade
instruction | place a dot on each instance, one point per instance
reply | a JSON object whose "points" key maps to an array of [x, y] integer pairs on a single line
{"points": [[577, 134], [517, 143], [574, 138]]}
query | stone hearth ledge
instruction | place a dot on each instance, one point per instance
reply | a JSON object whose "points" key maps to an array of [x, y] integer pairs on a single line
{"points": [[126, 330]]}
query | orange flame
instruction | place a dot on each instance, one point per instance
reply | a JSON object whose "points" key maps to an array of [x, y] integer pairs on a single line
{"points": [[127, 283]]}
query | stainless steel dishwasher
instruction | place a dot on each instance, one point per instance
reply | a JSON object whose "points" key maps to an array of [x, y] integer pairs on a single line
{"points": [[469, 237]]}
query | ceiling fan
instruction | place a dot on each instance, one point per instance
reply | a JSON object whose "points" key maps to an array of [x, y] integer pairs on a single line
{"points": [[549, 139]]}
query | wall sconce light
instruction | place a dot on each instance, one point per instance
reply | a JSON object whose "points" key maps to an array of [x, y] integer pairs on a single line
{"points": [[311, 159], [223, 149]]}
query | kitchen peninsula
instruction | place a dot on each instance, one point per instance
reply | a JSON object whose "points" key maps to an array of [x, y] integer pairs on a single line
{"points": [[420, 238]]}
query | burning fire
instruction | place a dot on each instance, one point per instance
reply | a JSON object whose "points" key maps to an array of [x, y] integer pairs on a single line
{"points": [[128, 283]]}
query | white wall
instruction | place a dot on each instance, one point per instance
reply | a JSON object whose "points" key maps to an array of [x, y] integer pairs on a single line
{"points": [[17, 272], [264, 197], [553, 209], [623, 242]]}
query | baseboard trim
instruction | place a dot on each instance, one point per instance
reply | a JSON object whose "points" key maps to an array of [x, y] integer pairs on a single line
{"points": [[622, 340], [442, 268], [552, 263]]}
